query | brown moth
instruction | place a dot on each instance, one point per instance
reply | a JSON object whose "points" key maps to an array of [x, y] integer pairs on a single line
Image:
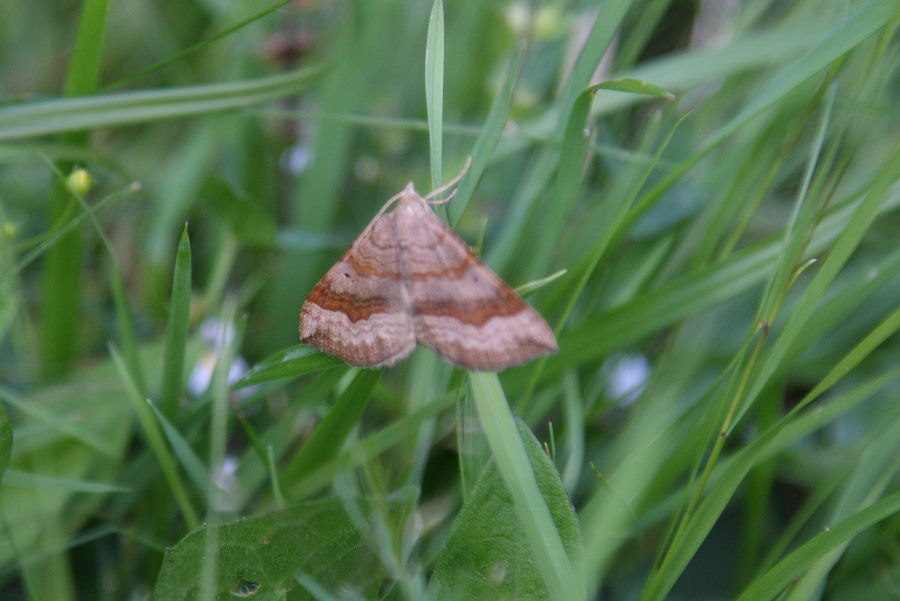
{"points": [[408, 279]]}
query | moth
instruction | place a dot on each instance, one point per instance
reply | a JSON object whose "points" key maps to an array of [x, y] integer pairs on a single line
{"points": [[408, 279]]}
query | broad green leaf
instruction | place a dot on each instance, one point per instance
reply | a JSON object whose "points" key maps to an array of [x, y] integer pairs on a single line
{"points": [[487, 555], [260, 557]]}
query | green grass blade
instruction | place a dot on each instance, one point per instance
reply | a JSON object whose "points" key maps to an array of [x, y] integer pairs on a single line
{"points": [[871, 17], [218, 423], [370, 447], [503, 250], [172, 383], [186, 456], [289, 363], [634, 86], [859, 26], [155, 440], [330, 434], [111, 110], [573, 418], [127, 337], [538, 176], [488, 138], [68, 426], [58, 233], [59, 335], [61, 288], [732, 473], [845, 244], [198, 46], [608, 20], [777, 579], [500, 429], [84, 70], [606, 234], [6, 439], [434, 88], [621, 326], [863, 349], [753, 49], [566, 187], [45, 482]]}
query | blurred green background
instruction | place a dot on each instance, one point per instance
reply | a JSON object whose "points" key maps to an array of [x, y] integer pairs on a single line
{"points": [[176, 176]]}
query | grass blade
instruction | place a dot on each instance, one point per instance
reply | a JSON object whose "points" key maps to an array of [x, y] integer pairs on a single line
{"points": [[845, 244], [770, 584], [488, 138], [172, 383], [124, 108], [539, 175], [5, 440], [503, 437], [45, 482], [434, 88], [289, 363], [62, 271], [330, 434], [188, 459], [155, 440]]}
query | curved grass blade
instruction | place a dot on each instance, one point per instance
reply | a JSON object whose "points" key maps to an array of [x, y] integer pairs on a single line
{"points": [[110, 110], [770, 584], [124, 320], [289, 363]]}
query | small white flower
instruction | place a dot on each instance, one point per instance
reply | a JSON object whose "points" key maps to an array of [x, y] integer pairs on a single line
{"points": [[626, 376]]}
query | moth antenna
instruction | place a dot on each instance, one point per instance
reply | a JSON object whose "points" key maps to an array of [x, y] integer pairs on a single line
{"points": [[440, 201], [409, 188], [451, 183]]}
